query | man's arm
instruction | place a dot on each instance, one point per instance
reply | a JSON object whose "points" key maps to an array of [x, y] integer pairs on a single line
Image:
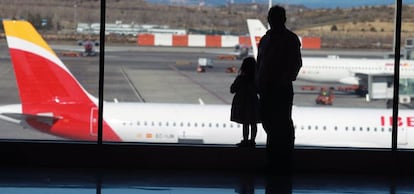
{"points": [[295, 60]]}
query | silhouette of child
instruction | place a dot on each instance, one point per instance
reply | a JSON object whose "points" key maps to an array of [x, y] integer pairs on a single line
{"points": [[245, 104]]}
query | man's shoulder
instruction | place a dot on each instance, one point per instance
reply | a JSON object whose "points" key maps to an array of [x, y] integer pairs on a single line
{"points": [[291, 34], [265, 37]]}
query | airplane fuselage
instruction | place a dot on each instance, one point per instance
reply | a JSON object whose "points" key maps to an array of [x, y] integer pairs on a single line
{"points": [[210, 124], [344, 70]]}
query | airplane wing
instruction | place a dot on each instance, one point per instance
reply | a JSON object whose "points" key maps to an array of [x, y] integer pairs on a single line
{"points": [[24, 119]]}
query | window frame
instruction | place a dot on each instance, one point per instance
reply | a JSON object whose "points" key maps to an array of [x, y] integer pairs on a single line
{"points": [[167, 156]]}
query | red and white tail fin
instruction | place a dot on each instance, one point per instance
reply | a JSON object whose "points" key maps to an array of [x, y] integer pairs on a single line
{"points": [[40, 74], [256, 31], [46, 87]]}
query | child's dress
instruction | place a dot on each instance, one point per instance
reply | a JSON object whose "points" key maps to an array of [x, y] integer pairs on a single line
{"points": [[245, 104]]}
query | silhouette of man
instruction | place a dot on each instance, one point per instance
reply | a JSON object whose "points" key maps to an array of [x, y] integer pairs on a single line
{"points": [[279, 61]]}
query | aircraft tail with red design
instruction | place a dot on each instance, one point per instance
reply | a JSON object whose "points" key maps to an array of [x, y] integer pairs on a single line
{"points": [[256, 31], [52, 100]]}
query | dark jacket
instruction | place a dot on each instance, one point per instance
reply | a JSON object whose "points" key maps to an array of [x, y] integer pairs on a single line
{"points": [[279, 58]]}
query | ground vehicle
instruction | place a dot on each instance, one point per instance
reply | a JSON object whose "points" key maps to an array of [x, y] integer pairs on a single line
{"points": [[89, 48], [325, 96]]}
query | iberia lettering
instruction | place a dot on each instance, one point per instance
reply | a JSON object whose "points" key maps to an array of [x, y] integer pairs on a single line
{"points": [[402, 121]]}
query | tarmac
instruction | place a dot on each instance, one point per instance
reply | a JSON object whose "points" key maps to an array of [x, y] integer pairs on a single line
{"points": [[162, 75]]}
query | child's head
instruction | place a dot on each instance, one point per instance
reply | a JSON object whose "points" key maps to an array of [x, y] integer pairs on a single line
{"points": [[248, 66]]}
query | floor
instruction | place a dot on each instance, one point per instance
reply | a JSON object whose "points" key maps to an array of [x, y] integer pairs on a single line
{"points": [[79, 181]]}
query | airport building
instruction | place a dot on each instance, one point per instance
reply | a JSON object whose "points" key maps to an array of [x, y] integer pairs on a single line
{"points": [[132, 29]]}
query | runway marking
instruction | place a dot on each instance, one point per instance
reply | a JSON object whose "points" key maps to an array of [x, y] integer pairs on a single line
{"points": [[134, 89], [200, 85]]}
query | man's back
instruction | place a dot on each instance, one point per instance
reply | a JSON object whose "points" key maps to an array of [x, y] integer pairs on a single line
{"points": [[279, 58]]}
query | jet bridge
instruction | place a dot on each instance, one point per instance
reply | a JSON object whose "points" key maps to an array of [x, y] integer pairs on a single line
{"points": [[381, 87]]}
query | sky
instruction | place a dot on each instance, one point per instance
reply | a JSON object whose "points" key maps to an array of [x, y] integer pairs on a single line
{"points": [[338, 3], [307, 3]]}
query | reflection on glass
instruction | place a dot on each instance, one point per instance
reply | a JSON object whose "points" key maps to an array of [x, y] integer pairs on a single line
{"points": [[70, 181]]}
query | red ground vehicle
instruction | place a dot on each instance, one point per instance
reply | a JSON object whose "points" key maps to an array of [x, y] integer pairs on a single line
{"points": [[325, 97]]}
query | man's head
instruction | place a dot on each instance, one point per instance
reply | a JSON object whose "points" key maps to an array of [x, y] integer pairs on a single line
{"points": [[276, 16]]}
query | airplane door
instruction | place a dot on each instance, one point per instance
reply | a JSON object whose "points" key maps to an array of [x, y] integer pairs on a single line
{"points": [[402, 136], [93, 122]]}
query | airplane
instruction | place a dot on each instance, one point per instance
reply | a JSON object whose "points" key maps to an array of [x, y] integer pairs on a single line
{"points": [[54, 102], [334, 69]]}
